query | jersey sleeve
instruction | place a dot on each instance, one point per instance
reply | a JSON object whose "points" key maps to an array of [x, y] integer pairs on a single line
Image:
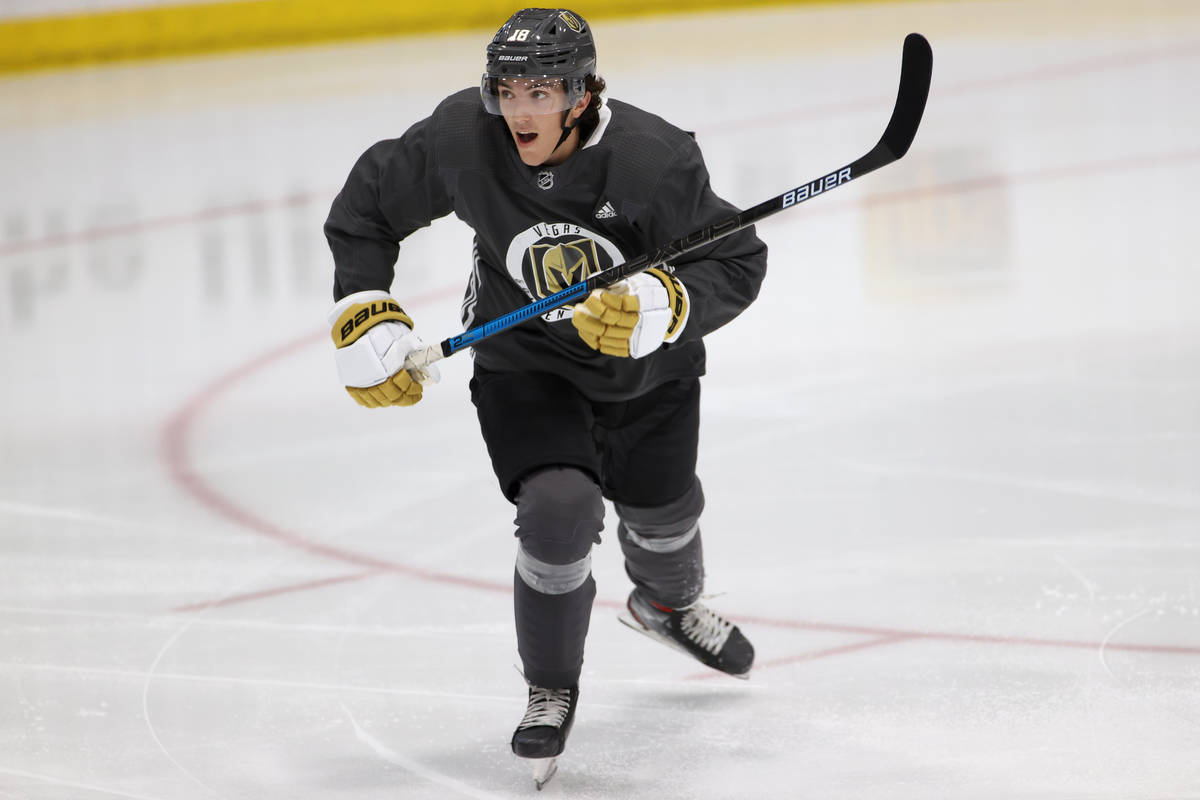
{"points": [[393, 189], [723, 278]]}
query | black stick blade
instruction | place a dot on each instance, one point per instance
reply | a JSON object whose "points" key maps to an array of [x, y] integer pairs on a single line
{"points": [[916, 71]]}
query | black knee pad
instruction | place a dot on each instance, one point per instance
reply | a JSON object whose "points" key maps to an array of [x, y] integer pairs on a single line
{"points": [[560, 514]]}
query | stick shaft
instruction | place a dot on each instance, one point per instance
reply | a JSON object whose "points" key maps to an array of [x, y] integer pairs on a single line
{"points": [[915, 74]]}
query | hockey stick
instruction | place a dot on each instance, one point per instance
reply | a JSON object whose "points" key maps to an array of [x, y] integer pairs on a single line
{"points": [[916, 70]]}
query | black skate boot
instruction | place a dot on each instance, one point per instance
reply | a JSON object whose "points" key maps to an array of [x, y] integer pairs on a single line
{"points": [[696, 630], [542, 734]]}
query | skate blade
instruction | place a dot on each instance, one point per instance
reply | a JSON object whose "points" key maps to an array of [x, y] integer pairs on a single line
{"points": [[543, 770], [630, 621]]}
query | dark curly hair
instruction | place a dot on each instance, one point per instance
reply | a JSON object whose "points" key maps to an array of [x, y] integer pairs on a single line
{"points": [[591, 116]]}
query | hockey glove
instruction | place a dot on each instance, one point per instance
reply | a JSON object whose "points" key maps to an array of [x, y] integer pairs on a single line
{"points": [[633, 317], [374, 336]]}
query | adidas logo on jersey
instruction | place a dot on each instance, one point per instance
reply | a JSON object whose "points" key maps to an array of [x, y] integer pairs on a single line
{"points": [[607, 212]]}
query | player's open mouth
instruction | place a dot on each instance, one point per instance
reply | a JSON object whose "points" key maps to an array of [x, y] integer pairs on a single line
{"points": [[525, 138]]}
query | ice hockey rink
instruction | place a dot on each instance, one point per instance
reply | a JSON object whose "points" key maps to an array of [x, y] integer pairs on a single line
{"points": [[952, 454]]}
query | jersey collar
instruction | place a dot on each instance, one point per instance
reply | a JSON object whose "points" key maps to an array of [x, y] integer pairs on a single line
{"points": [[605, 117]]}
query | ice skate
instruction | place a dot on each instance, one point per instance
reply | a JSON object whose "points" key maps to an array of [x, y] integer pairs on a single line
{"points": [[696, 630], [542, 734]]}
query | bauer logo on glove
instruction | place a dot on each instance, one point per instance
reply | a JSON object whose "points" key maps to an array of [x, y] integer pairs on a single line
{"points": [[634, 317], [374, 337], [361, 313]]}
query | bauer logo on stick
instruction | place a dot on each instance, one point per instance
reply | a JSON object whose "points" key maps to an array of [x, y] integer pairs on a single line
{"points": [[814, 188]]}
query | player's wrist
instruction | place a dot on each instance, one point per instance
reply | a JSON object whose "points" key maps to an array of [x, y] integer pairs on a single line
{"points": [[677, 302]]}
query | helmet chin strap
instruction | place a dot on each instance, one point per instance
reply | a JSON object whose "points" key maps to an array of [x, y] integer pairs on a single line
{"points": [[566, 131]]}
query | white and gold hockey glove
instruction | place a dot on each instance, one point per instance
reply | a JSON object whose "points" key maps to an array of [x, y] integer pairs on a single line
{"points": [[374, 336], [633, 317]]}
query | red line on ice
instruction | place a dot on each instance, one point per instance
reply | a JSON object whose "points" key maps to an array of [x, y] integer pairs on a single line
{"points": [[177, 455], [175, 433], [261, 594], [812, 655]]}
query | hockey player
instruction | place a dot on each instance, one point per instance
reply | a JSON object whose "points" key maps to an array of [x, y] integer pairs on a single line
{"points": [[599, 401]]}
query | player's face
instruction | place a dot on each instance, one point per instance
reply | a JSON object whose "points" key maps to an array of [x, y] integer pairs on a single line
{"points": [[534, 113]]}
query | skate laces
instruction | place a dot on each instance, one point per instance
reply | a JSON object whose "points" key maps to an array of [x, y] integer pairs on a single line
{"points": [[706, 628], [546, 707]]}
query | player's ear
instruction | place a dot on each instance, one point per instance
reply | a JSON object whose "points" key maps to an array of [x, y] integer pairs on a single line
{"points": [[581, 106]]}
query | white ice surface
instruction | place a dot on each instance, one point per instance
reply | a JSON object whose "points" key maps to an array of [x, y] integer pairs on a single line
{"points": [[952, 454]]}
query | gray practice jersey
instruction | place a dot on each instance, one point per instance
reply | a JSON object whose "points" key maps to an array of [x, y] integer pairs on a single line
{"points": [[638, 182]]}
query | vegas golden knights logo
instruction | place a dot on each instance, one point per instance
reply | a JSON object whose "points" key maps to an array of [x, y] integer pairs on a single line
{"points": [[547, 257], [572, 21], [557, 266]]}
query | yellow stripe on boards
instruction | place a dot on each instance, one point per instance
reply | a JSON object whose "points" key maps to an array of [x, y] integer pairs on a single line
{"points": [[156, 32]]}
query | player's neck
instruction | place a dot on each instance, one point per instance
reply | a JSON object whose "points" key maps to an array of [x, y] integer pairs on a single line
{"points": [[564, 150]]}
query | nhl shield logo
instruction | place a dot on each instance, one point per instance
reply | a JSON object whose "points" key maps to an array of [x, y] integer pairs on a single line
{"points": [[545, 179]]}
